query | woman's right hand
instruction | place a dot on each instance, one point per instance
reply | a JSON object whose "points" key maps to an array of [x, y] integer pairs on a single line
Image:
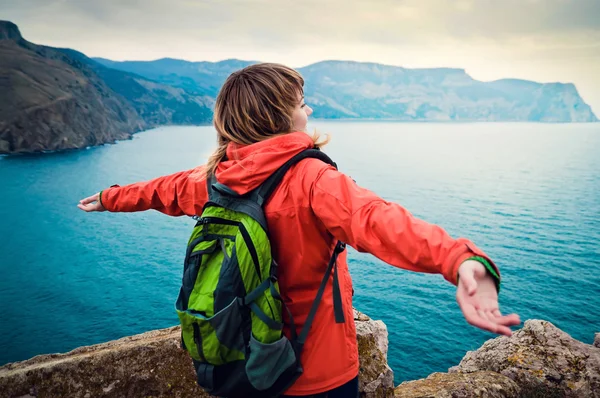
{"points": [[91, 203], [477, 297]]}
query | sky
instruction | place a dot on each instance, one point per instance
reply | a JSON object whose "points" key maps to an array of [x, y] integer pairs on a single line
{"points": [[540, 40]]}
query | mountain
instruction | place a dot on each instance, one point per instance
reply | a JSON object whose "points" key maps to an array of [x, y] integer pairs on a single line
{"points": [[367, 90], [54, 99], [349, 90], [204, 78]]}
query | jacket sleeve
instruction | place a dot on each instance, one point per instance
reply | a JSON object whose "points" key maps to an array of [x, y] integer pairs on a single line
{"points": [[178, 194], [387, 230]]}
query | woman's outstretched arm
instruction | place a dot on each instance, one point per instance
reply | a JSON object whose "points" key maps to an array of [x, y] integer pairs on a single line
{"points": [[371, 224], [182, 193]]}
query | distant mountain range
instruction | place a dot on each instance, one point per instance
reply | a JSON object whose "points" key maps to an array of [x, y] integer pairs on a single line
{"points": [[53, 99], [351, 90]]}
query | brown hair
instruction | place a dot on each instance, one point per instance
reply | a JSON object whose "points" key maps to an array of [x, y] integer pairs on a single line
{"points": [[254, 104]]}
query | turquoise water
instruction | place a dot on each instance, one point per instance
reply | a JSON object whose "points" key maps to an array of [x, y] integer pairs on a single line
{"points": [[528, 194]]}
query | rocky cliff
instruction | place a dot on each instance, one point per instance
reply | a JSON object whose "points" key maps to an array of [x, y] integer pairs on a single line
{"points": [[367, 90], [539, 360], [153, 365], [53, 99]]}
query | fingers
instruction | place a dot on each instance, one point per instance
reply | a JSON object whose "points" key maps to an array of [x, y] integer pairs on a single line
{"points": [[89, 207], [479, 319], [90, 199], [484, 314], [91, 203], [506, 320]]}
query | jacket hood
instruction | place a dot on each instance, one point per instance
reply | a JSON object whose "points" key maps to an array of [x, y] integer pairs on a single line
{"points": [[248, 166]]}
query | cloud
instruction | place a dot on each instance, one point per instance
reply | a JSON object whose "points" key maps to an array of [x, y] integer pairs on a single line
{"points": [[293, 22]]}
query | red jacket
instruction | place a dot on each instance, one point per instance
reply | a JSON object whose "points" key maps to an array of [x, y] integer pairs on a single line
{"points": [[313, 207]]}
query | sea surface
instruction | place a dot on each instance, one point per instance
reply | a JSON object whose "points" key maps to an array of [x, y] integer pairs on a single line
{"points": [[528, 194]]}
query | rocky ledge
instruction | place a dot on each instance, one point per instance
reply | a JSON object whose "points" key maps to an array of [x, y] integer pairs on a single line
{"points": [[152, 364], [539, 360]]}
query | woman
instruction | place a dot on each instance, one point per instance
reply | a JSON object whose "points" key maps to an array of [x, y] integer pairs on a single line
{"points": [[260, 118]]}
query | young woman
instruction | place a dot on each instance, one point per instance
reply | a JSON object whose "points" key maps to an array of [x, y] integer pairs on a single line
{"points": [[260, 117]]}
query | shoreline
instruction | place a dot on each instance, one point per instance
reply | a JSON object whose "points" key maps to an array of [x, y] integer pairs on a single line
{"points": [[326, 121]]}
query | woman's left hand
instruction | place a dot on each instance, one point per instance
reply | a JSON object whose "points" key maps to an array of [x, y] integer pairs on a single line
{"points": [[478, 299], [91, 203]]}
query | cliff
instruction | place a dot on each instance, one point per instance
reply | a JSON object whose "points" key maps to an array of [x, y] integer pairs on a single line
{"points": [[53, 99], [539, 360], [366, 90], [153, 364], [355, 90]]}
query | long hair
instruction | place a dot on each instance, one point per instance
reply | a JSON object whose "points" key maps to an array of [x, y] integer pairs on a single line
{"points": [[254, 104]]}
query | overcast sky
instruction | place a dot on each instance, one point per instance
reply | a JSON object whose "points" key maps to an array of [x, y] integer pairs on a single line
{"points": [[541, 40]]}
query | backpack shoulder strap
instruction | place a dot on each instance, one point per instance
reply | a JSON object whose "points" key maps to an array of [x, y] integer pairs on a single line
{"points": [[252, 203], [222, 195], [266, 189], [263, 194]]}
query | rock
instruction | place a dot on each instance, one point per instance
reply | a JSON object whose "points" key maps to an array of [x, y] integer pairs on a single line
{"points": [[460, 385], [542, 359], [359, 316], [376, 378], [4, 146], [153, 364], [9, 31], [148, 364], [597, 340]]}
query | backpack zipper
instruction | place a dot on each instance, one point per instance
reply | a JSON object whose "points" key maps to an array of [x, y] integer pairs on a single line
{"points": [[217, 220]]}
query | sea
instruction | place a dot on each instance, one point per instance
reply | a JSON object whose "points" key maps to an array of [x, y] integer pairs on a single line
{"points": [[526, 193]]}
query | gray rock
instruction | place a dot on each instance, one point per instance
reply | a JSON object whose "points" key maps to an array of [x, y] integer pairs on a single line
{"points": [[376, 378], [4, 146], [148, 364], [597, 340], [153, 364], [460, 385], [542, 359]]}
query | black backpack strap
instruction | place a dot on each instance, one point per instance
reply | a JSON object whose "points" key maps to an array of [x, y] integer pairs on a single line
{"points": [[266, 189], [262, 196], [252, 203], [221, 195], [339, 315]]}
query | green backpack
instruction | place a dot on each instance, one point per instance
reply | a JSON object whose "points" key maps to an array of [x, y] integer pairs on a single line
{"points": [[229, 305]]}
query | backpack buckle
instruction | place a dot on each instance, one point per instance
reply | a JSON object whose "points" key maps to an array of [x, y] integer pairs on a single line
{"points": [[274, 268], [340, 247]]}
